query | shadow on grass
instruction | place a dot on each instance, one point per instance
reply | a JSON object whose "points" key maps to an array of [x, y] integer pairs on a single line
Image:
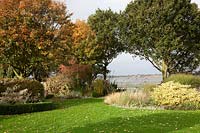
{"points": [[2, 117], [67, 103], [60, 104], [153, 123]]}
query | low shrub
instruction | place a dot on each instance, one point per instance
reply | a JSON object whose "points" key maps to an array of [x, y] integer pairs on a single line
{"points": [[98, 88], [57, 85], [11, 96], [173, 95], [60, 86], [185, 79], [6, 109], [10, 89], [128, 98], [103, 87]]}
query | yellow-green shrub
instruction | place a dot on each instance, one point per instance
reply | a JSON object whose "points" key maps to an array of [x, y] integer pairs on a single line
{"points": [[103, 87], [174, 95]]}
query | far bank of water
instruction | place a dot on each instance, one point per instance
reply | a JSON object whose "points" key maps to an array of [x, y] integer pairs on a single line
{"points": [[133, 81]]}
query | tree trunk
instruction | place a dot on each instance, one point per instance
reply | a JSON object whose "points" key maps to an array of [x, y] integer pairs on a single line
{"points": [[164, 70], [105, 71]]}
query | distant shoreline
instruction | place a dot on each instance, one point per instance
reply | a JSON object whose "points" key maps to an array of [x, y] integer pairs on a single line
{"points": [[134, 75], [132, 81]]}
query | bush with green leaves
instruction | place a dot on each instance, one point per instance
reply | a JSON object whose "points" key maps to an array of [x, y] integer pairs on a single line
{"points": [[173, 95], [20, 91], [103, 87], [131, 98], [185, 79]]}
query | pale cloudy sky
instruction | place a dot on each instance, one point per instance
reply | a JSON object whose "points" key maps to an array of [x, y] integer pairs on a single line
{"points": [[124, 64]]}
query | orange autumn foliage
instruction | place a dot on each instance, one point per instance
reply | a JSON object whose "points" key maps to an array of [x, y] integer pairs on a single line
{"points": [[78, 70], [82, 31], [34, 32], [84, 47]]}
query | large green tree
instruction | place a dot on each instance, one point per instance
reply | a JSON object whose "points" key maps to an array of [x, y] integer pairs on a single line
{"points": [[105, 25], [164, 32], [34, 35]]}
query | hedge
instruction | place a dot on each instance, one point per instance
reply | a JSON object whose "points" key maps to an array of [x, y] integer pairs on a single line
{"points": [[7, 109]]}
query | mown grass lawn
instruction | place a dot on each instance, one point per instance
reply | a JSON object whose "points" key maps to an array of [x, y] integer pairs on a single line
{"points": [[92, 115]]}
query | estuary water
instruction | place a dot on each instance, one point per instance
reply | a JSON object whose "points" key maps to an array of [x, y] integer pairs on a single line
{"points": [[133, 81]]}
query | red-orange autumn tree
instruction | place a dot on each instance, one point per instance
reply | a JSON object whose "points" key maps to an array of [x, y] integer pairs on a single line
{"points": [[79, 75], [83, 56], [84, 52], [35, 35]]}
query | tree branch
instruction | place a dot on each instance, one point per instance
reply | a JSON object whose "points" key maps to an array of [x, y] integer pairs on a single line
{"points": [[153, 64]]}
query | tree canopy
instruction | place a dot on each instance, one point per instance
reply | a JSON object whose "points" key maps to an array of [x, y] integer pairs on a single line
{"points": [[105, 24], [164, 32], [34, 35], [84, 48]]}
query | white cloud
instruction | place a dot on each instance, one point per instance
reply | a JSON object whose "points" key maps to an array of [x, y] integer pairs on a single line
{"points": [[82, 9], [196, 1]]}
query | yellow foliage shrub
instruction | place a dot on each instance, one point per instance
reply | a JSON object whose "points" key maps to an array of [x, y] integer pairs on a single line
{"points": [[174, 95]]}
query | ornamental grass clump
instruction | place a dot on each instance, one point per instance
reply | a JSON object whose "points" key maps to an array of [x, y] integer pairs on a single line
{"points": [[185, 79], [173, 95], [128, 98]]}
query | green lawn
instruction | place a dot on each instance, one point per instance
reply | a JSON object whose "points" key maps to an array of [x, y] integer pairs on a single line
{"points": [[92, 115]]}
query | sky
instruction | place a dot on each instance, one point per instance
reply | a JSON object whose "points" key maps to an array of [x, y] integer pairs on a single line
{"points": [[124, 64]]}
